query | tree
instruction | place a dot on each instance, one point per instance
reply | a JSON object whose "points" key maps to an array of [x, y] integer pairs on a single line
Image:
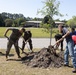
{"points": [[48, 19], [19, 22], [2, 24], [50, 8], [8, 22], [72, 22], [46, 23]]}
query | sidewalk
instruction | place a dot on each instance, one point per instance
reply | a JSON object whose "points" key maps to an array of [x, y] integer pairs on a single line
{"points": [[37, 42]]}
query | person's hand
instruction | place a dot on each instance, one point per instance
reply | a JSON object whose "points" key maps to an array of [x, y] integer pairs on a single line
{"points": [[32, 51], [4, 35], [63, 37], [7, 37]]}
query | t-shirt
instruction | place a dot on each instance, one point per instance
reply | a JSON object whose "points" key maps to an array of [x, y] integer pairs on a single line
{"points": [[65, 30], [15, 35], [27, 35]]}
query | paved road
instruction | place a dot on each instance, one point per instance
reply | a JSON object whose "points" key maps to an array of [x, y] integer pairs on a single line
{"points": [[37, 42]]}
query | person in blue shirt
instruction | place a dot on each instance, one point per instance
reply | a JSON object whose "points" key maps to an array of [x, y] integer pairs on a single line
{"points": [[69, 50], [57, 37]]}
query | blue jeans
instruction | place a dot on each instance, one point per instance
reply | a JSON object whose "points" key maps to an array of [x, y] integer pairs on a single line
{"points": [[75, 56], [70, 49]]}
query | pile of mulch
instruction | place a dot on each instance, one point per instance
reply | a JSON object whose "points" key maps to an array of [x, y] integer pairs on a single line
{"points": [[44, 59]]}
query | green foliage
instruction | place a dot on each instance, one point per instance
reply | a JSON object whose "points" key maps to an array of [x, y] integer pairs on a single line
{"points": [[47, 22], [46, 27], [12, 16], [8, 19], [72, 22], [50, 8], [1, 21], [19, 22], [8, 22]]}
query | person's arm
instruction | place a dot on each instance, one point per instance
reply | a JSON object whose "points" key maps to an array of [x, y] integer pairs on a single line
{"points": [[66, 34], [5, 34]]}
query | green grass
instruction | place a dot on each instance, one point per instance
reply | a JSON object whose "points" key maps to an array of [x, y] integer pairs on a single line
{"points": [[36, 32]]}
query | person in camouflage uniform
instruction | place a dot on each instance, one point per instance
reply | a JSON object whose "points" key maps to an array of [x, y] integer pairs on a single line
{"points": [[27, 38], [13, 40], [57, 37]]}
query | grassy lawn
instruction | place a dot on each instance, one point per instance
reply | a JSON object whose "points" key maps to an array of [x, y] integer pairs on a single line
{"points": [[36, 32], [15, 67]]}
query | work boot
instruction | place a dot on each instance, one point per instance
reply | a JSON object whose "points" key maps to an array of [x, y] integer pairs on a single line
{"points": [[6, 58], [19, 56], [23, 52]]}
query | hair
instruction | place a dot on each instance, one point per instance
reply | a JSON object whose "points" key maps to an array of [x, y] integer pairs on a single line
{"points": [[61, 26], [73, 29], [23, 29]]}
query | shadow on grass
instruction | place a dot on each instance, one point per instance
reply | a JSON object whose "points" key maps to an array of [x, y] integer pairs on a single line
{"points": [[3, 54], [13, 60], [29, 56]]}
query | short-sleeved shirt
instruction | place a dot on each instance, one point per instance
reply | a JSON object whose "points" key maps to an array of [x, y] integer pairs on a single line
{"points": [[15, 35], [27, 35], [65, 30]]}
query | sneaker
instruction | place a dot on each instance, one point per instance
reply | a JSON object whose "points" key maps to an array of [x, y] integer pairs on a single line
{"points": [[66, 65], [19, 56], [74, 71]]}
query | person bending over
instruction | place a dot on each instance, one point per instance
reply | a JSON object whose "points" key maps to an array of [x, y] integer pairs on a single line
{"points": [[13, 40], [27, 38]]}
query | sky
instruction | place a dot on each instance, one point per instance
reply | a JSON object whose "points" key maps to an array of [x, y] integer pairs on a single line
{"points": [[29, 8]]}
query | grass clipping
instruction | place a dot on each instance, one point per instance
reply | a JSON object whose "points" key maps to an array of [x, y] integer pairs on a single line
{"points": [[43, 59]]}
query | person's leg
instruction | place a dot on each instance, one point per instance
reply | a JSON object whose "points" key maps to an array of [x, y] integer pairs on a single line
{"points": [[23, 46], [17, 49], [56, 39], [30, 44], [74, 60], [73, 55], [66, 54], [9, 45], [62, 45]]}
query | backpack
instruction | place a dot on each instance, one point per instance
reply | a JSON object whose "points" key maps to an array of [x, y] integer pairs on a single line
{"points": [[74, 38]]}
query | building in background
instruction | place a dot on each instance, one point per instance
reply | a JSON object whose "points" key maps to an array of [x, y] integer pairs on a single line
{"points": [[37, 23]]}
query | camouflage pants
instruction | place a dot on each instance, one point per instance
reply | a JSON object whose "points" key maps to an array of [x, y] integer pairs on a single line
{"points": [[30, 44], [9, 45]]}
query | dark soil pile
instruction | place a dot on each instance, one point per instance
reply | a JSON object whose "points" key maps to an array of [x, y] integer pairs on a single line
{"points": [[44, 59]]}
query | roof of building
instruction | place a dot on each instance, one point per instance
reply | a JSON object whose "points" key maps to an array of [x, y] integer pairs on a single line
{"points": [[34, 21], [59, 22], [41, 21]]}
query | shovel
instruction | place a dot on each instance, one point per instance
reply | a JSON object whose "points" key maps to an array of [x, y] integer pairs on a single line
{"points": [[54, 47]]}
